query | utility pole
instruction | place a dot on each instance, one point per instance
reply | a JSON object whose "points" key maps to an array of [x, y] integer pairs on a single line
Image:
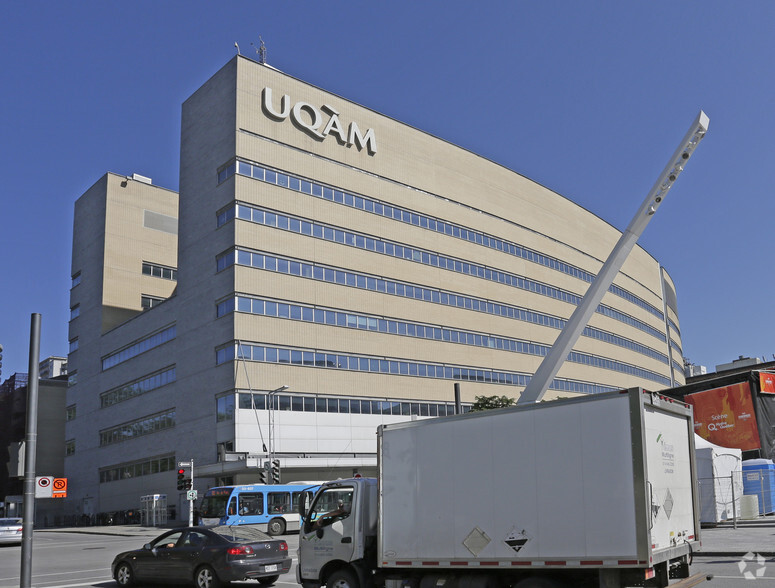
{"points": [[539, 383], [30, 447]]}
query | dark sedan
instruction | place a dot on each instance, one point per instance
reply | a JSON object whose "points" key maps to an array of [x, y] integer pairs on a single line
{"points": [[206, 556]]}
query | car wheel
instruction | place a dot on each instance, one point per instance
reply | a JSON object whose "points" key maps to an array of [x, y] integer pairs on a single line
{"points": [[276, 527], [342, 579], [268, 580], [205, 577], [124, 575]]}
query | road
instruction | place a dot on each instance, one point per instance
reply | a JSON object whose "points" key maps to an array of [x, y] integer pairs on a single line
{"points": [[77, 560]]}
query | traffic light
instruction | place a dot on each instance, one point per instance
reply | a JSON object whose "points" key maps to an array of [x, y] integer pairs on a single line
{"points": [[263, 474], [275, 471], [182, 479]]}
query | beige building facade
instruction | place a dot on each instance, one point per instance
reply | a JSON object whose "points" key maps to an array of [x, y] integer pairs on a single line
{"points": [[363, 264]]}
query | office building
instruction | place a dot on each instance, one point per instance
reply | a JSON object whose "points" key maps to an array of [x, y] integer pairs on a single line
{"points": [[324, 269]]}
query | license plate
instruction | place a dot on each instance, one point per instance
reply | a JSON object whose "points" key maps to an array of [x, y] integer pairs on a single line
{"points": [[272, 568]]}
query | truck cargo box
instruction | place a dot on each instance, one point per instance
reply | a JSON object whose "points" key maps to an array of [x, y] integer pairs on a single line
{"points": [[603, 481]]}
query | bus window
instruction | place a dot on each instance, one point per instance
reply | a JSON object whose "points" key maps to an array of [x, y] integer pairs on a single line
{"points": [[278, 502], [232, 506], [296, 496], [251, 503]]}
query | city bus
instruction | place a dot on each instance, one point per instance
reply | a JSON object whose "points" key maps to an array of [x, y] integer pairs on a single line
{"points": [[273, 508]]}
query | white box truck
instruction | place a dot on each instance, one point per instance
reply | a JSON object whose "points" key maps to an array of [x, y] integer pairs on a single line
{"points": [[591, 491]]}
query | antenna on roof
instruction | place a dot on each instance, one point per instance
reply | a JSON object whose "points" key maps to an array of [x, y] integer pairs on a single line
{"points": [[261, 51], [237, 46]]}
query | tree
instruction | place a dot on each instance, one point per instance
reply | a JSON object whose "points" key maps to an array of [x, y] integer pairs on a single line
{"points": [[489, 402]]}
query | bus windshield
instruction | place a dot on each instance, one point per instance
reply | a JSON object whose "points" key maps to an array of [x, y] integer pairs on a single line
{"points": [[214, 503]]}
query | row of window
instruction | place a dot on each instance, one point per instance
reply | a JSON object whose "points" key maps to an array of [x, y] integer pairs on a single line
{"points": [[404, 215], [160, 271], [394, 366], [138, 387], [139, 347], [75, 311], [144, 426], [139, 468], [345, 405], [73, 345], [364, 281], [384, 247], [350, 320], [75, 280]]}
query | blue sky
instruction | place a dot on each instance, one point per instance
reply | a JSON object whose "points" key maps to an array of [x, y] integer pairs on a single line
{"points": [[588, 98]]}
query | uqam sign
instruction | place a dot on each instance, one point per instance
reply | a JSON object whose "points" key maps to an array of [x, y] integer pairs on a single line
{"points": [[319, 122]]}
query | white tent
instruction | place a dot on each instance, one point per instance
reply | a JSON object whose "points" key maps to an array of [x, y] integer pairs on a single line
{"points": [[719, 475]]}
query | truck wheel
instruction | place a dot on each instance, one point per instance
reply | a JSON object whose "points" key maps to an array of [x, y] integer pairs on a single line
{"points": [[276, 526], [343, 578]]}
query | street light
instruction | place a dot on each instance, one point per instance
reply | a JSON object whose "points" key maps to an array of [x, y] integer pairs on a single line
{"points": [[271, 394]]}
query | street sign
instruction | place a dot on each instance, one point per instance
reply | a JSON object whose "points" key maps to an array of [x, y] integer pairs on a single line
{"points": [[184, 464], [191, 495], [59, 488], [43, 486]]}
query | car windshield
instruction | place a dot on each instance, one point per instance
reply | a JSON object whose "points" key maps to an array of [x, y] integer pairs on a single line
{"points": [[241, 533]]}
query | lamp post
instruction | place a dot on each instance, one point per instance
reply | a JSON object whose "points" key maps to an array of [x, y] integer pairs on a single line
{"points": [[271, 394]]}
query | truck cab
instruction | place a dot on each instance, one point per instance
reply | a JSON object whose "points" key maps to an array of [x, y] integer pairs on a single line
{"points": [[338, 534]]}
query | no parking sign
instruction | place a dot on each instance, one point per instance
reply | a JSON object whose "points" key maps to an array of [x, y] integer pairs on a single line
{"points": [[44, 486]]}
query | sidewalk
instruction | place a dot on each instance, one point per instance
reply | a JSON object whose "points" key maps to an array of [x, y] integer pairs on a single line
{"points": [[756, 536], [116, 530]]}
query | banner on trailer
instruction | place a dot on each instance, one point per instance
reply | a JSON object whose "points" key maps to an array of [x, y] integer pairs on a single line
{"points": [[767, 382], [725, 416]]}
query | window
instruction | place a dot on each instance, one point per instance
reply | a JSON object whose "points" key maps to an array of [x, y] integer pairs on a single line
{"points": [[138, 387], [137, 468], [224, 408], [251, 503], [137, 428], [160, 271], [141, 346], [69, 447], [76, 279], [147, 301], [70, 412], [75, 311], [73, 345], [278, 502]]}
